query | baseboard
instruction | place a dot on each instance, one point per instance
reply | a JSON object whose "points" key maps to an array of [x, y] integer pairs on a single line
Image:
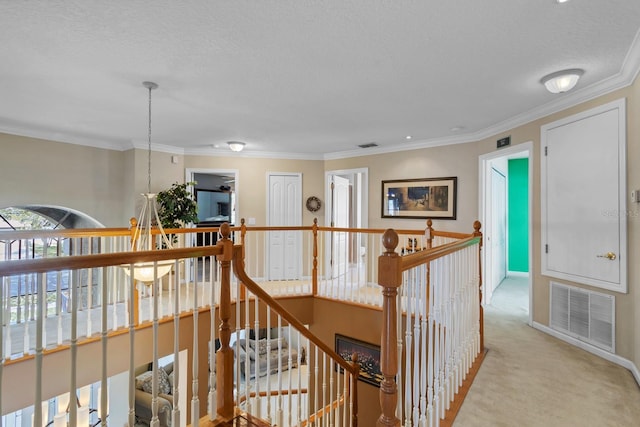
{"points": [[517, 273], [614, 358]]}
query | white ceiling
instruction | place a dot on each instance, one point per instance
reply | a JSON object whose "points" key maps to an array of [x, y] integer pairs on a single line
{"points": [[309, 78]]}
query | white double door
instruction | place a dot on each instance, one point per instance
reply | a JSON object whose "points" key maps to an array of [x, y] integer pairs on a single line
{"points": [[284, 208]]}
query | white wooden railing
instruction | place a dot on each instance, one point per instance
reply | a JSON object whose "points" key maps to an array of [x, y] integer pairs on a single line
{"points": [[43, 289], [438, 330]]}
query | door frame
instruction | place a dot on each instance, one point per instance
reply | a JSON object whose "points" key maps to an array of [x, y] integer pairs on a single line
{"points": [[362, 198], [484, 208], [189, 177]]}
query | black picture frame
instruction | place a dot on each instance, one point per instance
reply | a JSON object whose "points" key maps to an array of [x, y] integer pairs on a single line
{"points": [[368, 357], [423, 198]]}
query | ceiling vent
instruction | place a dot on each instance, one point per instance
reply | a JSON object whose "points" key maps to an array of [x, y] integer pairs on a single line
{"points": [[368, 145]]}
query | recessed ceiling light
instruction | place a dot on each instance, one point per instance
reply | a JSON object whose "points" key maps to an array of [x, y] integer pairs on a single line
{"points": [[561, 1], [562, 81], [408, 137]]}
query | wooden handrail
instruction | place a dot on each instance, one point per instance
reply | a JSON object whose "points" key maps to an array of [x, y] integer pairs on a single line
{"points": [[44, 265], [124, 232], [275, 306], [225, 357], [421, 257]]}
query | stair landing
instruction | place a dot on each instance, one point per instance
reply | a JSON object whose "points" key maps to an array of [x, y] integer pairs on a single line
{"points": [[241, 419]]}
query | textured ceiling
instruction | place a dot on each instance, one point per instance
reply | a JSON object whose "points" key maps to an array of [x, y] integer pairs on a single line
{"points": [[310, 78]]}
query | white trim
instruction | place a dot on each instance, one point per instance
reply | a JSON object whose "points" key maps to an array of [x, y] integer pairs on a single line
{"points": [[517, 273], [611, 357], [364, 191], [484, 166], [188, 177]]}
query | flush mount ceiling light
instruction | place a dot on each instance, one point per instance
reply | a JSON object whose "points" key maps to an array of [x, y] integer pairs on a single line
{"points": [[562, 81], [236, 145]]}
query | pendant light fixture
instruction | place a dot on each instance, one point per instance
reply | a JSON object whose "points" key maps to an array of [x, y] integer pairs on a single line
{"points": [[143, 237]]}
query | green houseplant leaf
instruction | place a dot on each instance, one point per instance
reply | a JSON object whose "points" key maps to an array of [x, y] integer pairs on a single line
{"points": [[176, 207]]}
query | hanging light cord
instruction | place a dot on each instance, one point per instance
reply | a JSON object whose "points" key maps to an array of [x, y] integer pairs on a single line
{"points": [[150, 86], [149, 147]]}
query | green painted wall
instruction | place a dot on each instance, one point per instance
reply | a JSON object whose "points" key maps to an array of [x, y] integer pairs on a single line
{"points": [[518, 215]]}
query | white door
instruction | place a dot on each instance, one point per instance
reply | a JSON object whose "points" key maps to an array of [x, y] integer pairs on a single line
{"points": [[498, 228], [284, 201], [583, 198], [340, 218]]}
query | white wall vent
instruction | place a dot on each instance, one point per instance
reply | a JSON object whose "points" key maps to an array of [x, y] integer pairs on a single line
{"points": [[586, 315]]}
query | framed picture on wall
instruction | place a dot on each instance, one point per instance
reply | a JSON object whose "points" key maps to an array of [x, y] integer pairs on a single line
{"points": [[427, 198]]}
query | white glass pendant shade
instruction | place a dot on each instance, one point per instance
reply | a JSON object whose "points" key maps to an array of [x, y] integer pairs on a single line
{"points": [[62, 403], [60, 420], [562, 81]]}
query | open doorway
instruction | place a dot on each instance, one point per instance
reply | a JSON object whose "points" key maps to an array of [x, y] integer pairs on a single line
{"points": [[346, 193], [505, 212], [216, 194]]}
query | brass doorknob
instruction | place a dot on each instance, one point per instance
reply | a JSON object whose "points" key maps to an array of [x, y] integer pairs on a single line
{"points": [[609, 255]]}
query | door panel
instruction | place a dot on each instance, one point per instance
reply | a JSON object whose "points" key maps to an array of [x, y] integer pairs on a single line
{"points": [[284, 255], [498, 227], [340, 243], [583, 198]]}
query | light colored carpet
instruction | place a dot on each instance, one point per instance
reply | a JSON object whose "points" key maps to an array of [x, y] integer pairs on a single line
{"points": [[530, 379]]}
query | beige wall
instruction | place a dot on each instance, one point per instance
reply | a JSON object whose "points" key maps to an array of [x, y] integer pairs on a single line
{"points": [[90, 180], [252, 187], [452, 160]]}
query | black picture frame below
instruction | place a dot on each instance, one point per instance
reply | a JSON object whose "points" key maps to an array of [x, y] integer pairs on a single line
{"points": [[424, 198], [368, 357]]}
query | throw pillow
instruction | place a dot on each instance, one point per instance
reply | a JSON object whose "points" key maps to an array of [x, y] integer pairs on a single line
{"points": [[262, 347], [164, 385], [171, 380], [144, 382]]}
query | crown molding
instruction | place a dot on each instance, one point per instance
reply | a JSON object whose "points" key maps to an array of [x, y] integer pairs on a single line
{"points": [[64, 138], [217, 152]]}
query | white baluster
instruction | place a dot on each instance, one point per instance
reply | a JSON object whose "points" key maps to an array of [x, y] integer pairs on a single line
{"points": [[195, 402], [176, 414]]}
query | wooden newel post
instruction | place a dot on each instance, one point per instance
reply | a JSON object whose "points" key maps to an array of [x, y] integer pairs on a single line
{"points": [[476, 232], [354, 389], [314, 274], [428, 234], [224, 356], [390, 278]]}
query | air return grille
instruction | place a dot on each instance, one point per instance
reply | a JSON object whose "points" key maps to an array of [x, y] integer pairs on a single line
{"points": [[586, 315]]}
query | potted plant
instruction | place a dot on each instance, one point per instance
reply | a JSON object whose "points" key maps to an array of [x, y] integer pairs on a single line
{"points": [[176, 207]]}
